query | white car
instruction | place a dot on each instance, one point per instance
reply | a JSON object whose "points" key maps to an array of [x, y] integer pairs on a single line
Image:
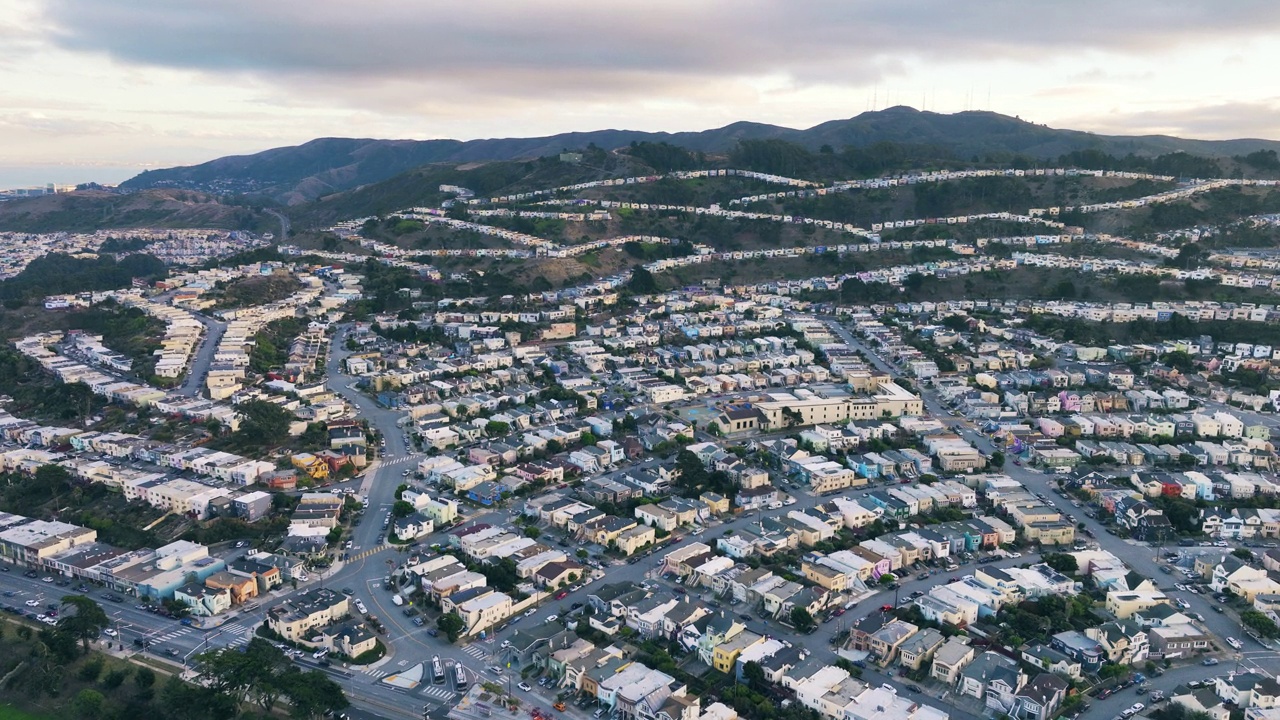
{"points": [[33, 603], [553, 618], [525, 686], [109, 632], [1015, 554], [360, 607], [1234, 643]]}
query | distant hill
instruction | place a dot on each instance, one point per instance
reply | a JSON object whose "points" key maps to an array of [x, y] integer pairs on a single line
{"points": [[295, 175], [89, 210]]}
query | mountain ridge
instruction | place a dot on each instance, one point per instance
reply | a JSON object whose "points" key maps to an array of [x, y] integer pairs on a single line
{"points": [[302, 173]]}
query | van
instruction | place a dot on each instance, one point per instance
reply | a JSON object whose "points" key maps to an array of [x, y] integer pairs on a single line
{"points": [[397, 600]]}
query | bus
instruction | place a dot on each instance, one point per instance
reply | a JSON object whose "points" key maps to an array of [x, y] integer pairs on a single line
{"points": [[437, 670], [460, 677]]}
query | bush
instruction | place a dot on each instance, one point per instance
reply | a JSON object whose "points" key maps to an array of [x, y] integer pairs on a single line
{"points": [[115, 678], [90, 671]]}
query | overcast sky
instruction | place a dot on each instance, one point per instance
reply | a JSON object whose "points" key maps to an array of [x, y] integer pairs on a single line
{"points": [[146, 83]]}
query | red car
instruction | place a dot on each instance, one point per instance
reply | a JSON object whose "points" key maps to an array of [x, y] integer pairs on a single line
{"points": [[886, 608], [562, 594]]}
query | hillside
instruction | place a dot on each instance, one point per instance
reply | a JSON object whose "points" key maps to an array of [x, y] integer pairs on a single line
{"points": [[295, 175], [88, 210]]}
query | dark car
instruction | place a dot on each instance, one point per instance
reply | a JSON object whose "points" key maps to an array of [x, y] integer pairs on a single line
{"points": [[914, 688], [746, 617]]}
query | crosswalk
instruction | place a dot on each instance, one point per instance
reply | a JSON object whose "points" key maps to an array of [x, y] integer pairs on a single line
{"points": [[233, 634], [171, 635], [366, 553], [476, 652], [400, 460], [439, 692]]}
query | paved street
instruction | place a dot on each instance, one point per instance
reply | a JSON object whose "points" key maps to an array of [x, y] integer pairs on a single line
{"points": [[204, 355]]}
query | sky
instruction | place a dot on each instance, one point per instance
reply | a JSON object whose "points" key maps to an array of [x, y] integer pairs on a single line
{"points": [[100, 89]]}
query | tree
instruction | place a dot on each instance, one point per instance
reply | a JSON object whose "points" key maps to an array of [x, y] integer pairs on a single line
{"points": [[888, 579], [88, 703], [312, 694], [997, 459], [263, 423], [1062, 562], [402, 508], [494, 428], [252, 674], [1262, 624], [144, 678], [801, 620], [642, 282], [86, 622], [532, 532], [451, 624]]}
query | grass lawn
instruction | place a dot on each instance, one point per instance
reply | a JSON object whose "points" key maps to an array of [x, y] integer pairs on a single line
{"points": [[8, 712]]}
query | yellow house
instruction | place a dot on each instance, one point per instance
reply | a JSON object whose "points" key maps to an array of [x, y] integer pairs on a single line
{"points": [[607, 529], [825, 576], [716, 504], [632, 539], [1054, 532], [726, 653], [314, 467]]}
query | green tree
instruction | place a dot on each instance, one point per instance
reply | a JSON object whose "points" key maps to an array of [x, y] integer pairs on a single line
{"points": [[144, 678], [88, 703], [888, 579], [642, 282], [451, 624], [801, 620], [494, 428], [1062, 562], [402, 508], [263, 423], [1260, 623], [997, 459], [312, 694], [86, 620]]}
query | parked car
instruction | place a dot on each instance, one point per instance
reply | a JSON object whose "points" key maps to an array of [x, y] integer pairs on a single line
{"points": [[1210, 661]]}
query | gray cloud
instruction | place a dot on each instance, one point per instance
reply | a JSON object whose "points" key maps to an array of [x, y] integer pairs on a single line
{"points": [[1223, 121], [598, 50]]}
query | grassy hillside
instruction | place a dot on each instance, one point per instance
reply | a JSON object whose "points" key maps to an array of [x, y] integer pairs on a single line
{"points": [[89, 210], [297, 174]]}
